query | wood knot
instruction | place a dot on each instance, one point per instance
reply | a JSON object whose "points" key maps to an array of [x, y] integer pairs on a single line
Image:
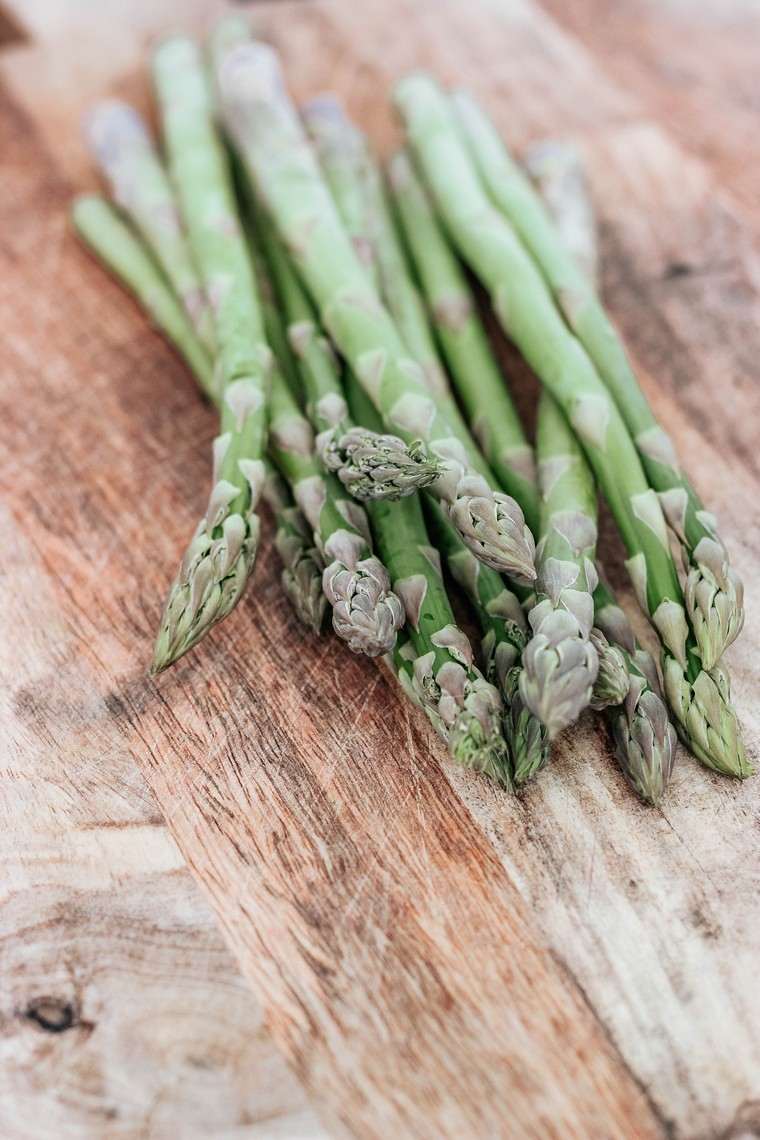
{"points": [[54, 1015]]}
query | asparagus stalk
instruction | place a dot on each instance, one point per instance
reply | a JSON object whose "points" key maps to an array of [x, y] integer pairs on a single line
{"points": [[114, 243], [123, 149], [117, 246], [472, 364], [302, 562], [357, 188], [462, 705], [498, 609], [560, 663], [371, 465], [714, 593], [269, 137], [365, 613], [627, 685], [644, 739], [699, 698], [220, 557]]}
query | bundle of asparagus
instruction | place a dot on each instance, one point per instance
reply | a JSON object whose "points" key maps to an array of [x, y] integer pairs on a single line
{"points": [[324, 309]]}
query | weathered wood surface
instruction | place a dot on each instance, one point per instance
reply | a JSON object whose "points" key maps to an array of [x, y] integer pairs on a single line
{"points": [[432, 957]]}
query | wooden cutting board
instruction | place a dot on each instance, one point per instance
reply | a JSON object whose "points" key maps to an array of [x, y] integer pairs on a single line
{"points": [[434, 958]]}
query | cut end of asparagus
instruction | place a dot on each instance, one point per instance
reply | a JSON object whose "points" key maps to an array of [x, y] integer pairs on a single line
{"points": [[612, 680], [706, 720], [492, 525], [210, 583], [645, 741], [372, 466], [714, 600], [366, 613], [560, 666]]}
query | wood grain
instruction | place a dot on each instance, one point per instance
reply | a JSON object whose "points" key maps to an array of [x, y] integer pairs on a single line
{"points": [[433, 957]]}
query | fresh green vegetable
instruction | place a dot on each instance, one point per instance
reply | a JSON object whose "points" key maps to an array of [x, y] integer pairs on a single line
{"points": [[714, 593], [268, 135]]}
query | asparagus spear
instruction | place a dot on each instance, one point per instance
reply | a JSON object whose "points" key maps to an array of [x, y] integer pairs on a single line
{"points": [[124, 151], [117, 246], [560, 664], [699, 698], [627, 685], [371, 465], [269, 137], [714, 593], [220, 557], [498, 609], [302, 562], [645, 743], [365, 613], [464, 708], [474, 370], [359, 194]]}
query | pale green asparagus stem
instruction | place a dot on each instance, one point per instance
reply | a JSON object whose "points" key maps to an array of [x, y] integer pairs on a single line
{"points": [[119, 248], [504, 630], [464, 708], [476, 374], [627, 685], [337, 137], [217, 564], [270, 139], [699, 699], [371, 465], [366, 613], [123, 149], [302, 563], [560, 664], [115, 244], [354, 179], [645, 743], [714, 593]]}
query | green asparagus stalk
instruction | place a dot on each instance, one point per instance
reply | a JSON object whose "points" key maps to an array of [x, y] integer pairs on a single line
{"points": [[124, 151], [699, 698], [365, 613], [302, 562], [220, 557], [713, 592], [627, 685], [472, 364], [371, 465], [116, 245], [560, 664], [504, 636], [357, 189], [645, 743], [464, 708], [262, 122], [498, 609]]}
